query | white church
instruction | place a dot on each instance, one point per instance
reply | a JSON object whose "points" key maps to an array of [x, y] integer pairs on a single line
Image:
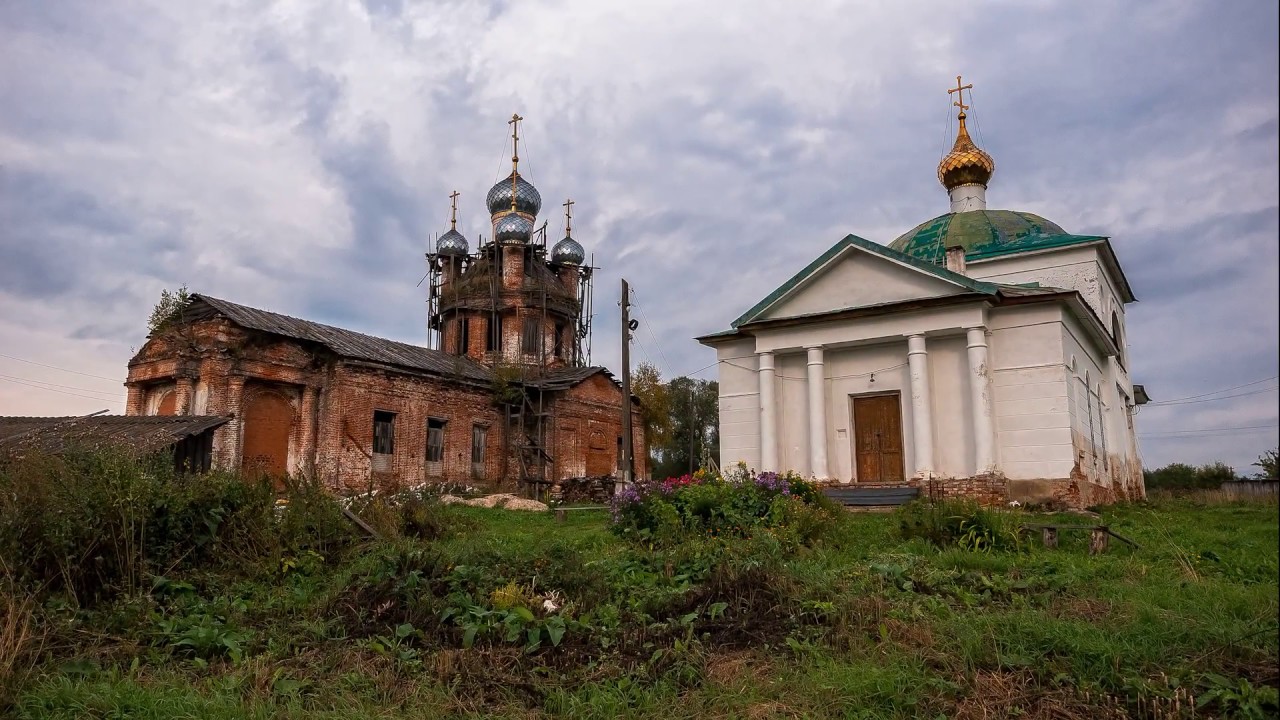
{"points": [[982, 353]]}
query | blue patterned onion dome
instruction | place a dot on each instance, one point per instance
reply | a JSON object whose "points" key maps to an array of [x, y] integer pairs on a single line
{"points": [[568, 252], [452, 243], [512, 228], [528, 200]]}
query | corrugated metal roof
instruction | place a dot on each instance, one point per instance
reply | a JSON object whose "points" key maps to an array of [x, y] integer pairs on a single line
{"points": [[348, 343], [139, 432]]}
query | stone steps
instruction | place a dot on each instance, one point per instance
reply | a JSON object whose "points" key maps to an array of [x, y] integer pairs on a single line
{"points": [[872, 495]]}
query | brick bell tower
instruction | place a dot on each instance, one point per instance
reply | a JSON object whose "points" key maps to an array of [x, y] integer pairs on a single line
{"points": [[513, 303]]}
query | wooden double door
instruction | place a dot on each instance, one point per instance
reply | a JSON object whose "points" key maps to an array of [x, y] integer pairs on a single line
{"points": [[877, 437]]}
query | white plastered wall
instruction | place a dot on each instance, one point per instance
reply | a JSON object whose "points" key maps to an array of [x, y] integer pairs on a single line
{"points": [[1032, 405], [858, 279], [739, 403]]}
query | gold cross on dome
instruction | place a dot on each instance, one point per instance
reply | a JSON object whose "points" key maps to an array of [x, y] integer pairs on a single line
{"points": [[453, 210], [514, 122], [960, 89], [568, 216]]}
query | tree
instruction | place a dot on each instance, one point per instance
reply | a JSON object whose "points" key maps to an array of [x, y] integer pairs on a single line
{"points": [[1267, 463], [1180, 476], [655, 405], [168, 309], [694, 418]]}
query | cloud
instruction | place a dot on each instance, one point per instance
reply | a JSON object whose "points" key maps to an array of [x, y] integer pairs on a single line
{"points": [[298, 156]]}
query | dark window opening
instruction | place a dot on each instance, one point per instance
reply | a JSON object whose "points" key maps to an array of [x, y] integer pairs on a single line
{"points": [[478, 436], [384, 432], [463, 337], [435, 440], [493, 338], [528, 262], [532, 336], [560, 340]]}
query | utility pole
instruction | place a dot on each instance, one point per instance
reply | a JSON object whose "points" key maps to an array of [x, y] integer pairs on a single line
{"points": [[628, 466]]}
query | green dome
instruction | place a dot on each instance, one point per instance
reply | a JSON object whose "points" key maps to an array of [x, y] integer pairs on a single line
{"points": [[979, 232]]}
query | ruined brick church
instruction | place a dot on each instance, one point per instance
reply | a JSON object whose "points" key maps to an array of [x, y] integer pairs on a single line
{"points": [[502, 399]]}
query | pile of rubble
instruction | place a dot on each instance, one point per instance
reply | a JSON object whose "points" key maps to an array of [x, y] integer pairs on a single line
{"points": [[506, 501]]}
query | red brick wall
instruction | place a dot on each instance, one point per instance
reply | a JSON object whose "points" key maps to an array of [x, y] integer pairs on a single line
{"points": [[331, 436], [345, 444]]}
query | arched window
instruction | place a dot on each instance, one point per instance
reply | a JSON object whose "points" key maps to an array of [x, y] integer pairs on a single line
{"points": [[1102, 424], [1117, 336], [1088, 403]]}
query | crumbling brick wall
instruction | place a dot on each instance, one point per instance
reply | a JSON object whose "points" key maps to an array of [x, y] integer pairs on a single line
{"points": [[212, 367]]}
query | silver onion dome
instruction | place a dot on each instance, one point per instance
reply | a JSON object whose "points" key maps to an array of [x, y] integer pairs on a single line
{"points": [[528, 199], [512, 228], [452, 243], [568, 252]]}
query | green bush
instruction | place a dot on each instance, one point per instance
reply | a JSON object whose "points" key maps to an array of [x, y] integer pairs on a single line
{"points": [[709, 505], [958, 523], [93, 523], [1180, 476]]}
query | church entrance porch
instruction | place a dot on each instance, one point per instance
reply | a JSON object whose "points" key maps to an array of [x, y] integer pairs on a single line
{"points": [[877, 437]]}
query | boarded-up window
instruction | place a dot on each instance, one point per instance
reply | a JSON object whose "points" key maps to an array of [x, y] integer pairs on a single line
{"points": [[168, 404], [532, 336], [478, 436], [384, 432], [560, 340], [268, 423], [384, 440], [435, 440]]}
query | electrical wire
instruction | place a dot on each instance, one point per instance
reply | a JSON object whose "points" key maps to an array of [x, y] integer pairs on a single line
{"points": [[54, 367], [17, 378], [649, 329], [1215, 392], [1205, 431], [1224, 397], [63, 392]]}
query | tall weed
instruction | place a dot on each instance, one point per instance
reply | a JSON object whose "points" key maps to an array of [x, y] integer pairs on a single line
{"points": [[959, 523]]}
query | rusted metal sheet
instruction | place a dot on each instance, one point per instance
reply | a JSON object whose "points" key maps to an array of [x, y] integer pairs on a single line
{"points": [[342, 342], [137, 432]]}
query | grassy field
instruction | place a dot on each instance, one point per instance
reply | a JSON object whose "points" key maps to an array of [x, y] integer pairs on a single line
{"points": [[509, 614]]}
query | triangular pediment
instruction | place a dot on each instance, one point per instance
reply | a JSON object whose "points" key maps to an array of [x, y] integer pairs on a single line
{"points": [[856, 273]]}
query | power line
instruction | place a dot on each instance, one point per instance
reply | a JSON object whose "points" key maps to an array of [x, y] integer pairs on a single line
{"points": [[1212, 399], [1204, 431], [649, 329], [62, 392], [54, 367], [67, 387], [1215, 392]]}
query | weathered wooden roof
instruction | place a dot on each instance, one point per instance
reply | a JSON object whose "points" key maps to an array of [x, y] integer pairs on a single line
{"points": [[341, 342], [138, 432]]}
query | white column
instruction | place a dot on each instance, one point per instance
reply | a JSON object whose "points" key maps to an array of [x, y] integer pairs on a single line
{"points": [[768, 415], [817, 415], [980, 399], [921, 405]]}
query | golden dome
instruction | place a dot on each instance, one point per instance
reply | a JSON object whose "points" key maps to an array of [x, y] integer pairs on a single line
{"points": [[966, 163]]}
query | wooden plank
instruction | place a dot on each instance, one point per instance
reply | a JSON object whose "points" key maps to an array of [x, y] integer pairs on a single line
{"points": [[1122, 539], [1098, 540]]}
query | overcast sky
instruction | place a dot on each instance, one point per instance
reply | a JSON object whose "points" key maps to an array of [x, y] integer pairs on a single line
{"points": [[298, 156]]}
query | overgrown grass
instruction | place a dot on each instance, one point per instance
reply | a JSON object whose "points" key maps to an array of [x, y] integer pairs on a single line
{"points": [[472, 612]]}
